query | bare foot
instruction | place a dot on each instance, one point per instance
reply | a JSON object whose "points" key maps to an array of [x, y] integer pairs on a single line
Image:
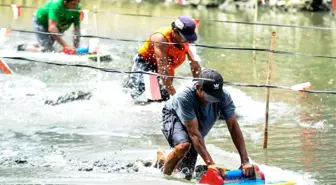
{"points": [[36, 45], [160, 160]]}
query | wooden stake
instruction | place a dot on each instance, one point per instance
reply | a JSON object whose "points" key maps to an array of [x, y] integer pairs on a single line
{"points": [[270, 61], [254, 40], [96, 25], [265, 157]]}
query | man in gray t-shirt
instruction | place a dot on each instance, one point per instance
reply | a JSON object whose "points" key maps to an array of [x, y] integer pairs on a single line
{"points": [[187, 118]]}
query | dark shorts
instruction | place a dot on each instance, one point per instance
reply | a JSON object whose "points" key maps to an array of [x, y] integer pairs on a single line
{"points": [[135, 81], [176, 133], [45, 41]]}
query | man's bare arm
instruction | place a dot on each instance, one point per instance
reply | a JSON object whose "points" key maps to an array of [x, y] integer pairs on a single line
{"points": [[76, 40], [52, 24], [160, 50], [195, 68], [195, 60], [197, 141], [237, 138]]}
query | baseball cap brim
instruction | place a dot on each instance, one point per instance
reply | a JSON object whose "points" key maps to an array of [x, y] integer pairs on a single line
{"points": [[188, 37], [215, 96]]}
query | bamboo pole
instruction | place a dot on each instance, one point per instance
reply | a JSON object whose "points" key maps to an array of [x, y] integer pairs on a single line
{"points": [[254, 39], [270, 61], [265, 156], [97, 34]]}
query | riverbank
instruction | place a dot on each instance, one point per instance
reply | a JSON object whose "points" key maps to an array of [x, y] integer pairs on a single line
{"points": [[240, 5]]}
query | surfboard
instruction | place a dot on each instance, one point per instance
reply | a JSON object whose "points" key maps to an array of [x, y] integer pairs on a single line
{"points": [[89, 52]]}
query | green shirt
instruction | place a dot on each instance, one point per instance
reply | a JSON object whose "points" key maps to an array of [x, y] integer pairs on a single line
{"points": [[55, 10]]}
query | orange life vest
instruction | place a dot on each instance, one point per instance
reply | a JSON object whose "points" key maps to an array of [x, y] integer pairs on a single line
{"points": [[176, 55]]}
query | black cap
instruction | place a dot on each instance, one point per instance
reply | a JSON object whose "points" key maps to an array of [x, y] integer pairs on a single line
{"points": [[213, 88], [186, 27]]}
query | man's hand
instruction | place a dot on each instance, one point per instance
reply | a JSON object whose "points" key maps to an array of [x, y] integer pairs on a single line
{"points": [[70, 50], [219, 169], [195, 68], [248, 170], [171, 90]]}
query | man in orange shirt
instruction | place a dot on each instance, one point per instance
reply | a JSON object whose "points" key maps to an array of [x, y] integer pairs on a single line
{"points": [[163, 52]]}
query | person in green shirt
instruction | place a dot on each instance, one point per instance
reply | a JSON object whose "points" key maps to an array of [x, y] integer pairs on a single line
{"points": [[55, 17]]}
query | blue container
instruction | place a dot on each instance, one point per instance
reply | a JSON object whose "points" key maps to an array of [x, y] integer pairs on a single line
{"points": [[233, 174], [82, 50]]}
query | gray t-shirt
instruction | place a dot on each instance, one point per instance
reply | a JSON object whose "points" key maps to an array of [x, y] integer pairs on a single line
{"points": [[186, 105]]}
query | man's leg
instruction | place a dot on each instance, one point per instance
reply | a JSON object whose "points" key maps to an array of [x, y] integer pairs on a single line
{"points": [[160, 160], [186, 166], [188, 163], [179, 151], [135, 81], [177, 137], [45, 41]]}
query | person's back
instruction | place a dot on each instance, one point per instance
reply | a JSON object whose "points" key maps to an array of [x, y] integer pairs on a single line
{"points": [[55, 10]]}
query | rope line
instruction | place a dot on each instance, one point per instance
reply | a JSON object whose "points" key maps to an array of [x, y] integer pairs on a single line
{"points": [[177, 77], [197, 45]]}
